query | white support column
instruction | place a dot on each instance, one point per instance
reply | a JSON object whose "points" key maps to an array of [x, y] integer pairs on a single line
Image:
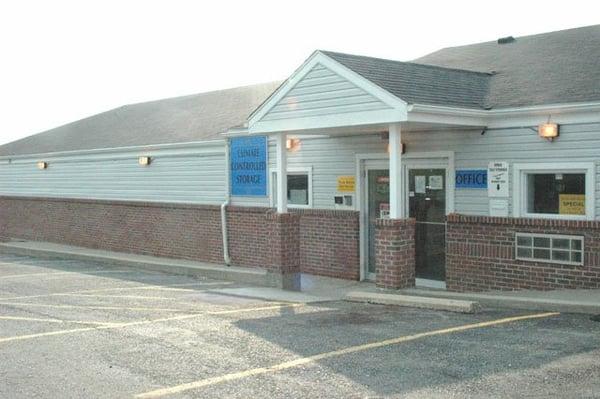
{"points": [[395, 137], [281, 173]]}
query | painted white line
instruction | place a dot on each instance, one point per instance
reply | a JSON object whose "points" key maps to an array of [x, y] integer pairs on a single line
{"points": [[78, 272], [122, 325], [168, 287], [16, 318], [327, 355], [157, 298], [43, 305]]}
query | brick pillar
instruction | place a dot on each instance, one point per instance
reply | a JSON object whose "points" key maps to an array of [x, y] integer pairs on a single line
{"points": [[395, 253], [283, 236]]}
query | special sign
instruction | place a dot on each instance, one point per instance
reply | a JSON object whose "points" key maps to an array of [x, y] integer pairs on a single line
{"points": [[346, 184], [571, 204], [248, 166]]}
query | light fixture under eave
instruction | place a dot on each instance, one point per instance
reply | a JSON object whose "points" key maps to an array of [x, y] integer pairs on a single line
{"points": [[292, 144], [144, 161], [402, 148], [548, 131], [42, 165]]}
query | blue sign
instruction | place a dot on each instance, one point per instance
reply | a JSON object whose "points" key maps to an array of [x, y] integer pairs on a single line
{"points": [[471, 179], [248, 166]]}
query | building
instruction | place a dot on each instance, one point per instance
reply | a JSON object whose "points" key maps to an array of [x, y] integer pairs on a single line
{"points": [[472, 168]]}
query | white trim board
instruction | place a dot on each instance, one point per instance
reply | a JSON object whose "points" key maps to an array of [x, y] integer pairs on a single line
{"points": [[292, 170], [520, 189]]}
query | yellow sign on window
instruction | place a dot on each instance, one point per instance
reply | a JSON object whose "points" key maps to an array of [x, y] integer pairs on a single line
{"points": [[571, 204], [346, 184]]}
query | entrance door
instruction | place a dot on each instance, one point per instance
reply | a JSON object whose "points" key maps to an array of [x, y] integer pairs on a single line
{"points": [[377, 206], [427, 204]]}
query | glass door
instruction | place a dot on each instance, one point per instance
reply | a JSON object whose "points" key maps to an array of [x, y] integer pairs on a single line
{"points": [[378, 206], [427, 204]]}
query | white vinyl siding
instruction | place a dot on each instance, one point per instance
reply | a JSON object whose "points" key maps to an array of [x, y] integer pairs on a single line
{"points": [[323, 92], [197, 174], [334, 156], [190, 175]]}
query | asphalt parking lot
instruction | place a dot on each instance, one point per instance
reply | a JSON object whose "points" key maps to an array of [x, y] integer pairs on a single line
{"points": [[72, 329]]}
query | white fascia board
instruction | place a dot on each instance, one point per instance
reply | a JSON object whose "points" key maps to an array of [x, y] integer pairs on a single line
{"points": [[532, 116], [447, 115], [506, 117], [319, 58], [349, 119]]}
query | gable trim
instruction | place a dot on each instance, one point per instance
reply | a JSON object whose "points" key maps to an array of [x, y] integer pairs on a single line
{"points": [[315, 59]]}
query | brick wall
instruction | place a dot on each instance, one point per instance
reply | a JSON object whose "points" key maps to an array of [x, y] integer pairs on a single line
{"points": [[481, 255], [327, 240], [395, 253], [329, 243], [170, 230]]}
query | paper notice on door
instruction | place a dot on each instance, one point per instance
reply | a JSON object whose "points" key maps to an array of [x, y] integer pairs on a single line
{"points": [[436, 182], [420, 184], [384, 210]]}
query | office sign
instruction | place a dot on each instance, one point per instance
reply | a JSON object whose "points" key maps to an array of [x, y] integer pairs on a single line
{"points": [[498, 179], [472, 178], [248, 166]]}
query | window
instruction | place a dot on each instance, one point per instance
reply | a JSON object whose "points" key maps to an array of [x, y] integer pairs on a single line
{"points": [[556, 193], [554, 190], [550, 248], [299, 187]]}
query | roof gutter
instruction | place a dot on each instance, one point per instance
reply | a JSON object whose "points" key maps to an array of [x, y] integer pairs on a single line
{"points": [[112, 150], [502, 117]]}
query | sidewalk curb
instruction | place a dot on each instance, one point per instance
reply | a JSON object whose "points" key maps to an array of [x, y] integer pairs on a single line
{"points": [[422, 302], [510, 302], [182, 267]]}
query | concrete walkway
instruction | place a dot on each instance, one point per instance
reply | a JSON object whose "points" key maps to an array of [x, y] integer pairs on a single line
{"points": [[318, 289], [566, 301], [184, 267]]}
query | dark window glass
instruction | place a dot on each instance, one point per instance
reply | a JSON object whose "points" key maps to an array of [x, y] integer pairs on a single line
{"points": [[297, 189], [556, 193]]}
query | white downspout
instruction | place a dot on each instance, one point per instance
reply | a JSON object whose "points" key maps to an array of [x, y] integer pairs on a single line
{"points": [[224, 206]]}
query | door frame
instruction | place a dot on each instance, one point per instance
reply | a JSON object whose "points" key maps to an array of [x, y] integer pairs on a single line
{"points": [[424, 282], [369, 164], [361, 198]]}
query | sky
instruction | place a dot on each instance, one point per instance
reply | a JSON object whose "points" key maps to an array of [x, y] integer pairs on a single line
{"points": [[66, 60]]}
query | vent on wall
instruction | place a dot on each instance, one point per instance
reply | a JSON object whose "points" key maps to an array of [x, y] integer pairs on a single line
{"points": [[506, 40]]}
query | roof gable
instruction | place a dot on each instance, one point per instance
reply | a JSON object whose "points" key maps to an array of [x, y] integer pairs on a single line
{"points": [[323, 93]]}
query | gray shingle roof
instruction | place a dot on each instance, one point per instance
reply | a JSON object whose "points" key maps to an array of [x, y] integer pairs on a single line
{"points": [[549, 68], [420, 84], [174, 120]]}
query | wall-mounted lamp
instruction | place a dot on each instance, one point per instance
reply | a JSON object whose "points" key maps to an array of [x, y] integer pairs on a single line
{"points": [[548, 130], [42, 165], [292, 144], [144, 161], [402, 148]]}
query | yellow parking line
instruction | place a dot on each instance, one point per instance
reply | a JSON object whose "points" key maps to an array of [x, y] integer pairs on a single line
{"points": [[121, 325], [84, 272], [169, 287], [44, 305], [326, 355], [16, 318]]}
